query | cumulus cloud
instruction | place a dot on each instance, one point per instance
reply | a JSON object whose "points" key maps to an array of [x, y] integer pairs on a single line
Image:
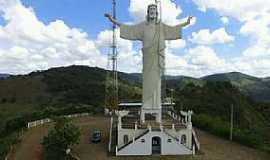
{"points": [[197, 62], [205, 37], [225, 20], [28, 44], [203, 56], [128, 59], [175, 64], [176, 44], [255, 66], [204, 60], [239, 9], [254, 18]]}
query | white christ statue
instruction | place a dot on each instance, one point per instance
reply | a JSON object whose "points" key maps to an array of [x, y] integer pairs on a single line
{"points": [[153, 34]]}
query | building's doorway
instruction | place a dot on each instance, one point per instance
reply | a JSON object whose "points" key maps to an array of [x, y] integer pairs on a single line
{"points": [[156, 145]]}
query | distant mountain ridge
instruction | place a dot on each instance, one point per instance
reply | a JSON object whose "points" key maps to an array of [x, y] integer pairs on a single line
{"points": [[3, 76], [256, 88], [236, 77], [73, 84]]}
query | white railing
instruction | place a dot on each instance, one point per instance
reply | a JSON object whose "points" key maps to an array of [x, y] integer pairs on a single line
{"points": [[47, 120], [174, 116], [77, 115], [196, 139], [38, 122]]}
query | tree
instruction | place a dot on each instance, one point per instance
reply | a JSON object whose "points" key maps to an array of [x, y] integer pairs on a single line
{"points": [[60, 139]]}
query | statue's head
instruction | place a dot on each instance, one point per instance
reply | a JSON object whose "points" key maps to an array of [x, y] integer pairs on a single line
{"points": [[152, 12]]}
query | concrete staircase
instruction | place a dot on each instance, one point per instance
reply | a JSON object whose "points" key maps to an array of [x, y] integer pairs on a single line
{"points": [[131, 141], [176, 139], [197, 143]]}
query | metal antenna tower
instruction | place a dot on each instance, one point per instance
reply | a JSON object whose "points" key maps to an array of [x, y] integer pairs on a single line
{"points": [[112, 77]]}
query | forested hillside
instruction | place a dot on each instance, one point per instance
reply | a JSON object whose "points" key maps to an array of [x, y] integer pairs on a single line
{"points": [[256, 88], [212, 103], [53, 92], [64, 85], [79, 88]]}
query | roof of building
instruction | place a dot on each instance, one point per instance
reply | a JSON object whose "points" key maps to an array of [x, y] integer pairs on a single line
{"points": [[140, 104]]}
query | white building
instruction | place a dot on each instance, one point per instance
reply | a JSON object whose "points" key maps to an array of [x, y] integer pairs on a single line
{"points": [[138, 134]]}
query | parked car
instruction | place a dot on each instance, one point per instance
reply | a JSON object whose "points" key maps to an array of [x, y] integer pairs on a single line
{"points": [[96, 136]]}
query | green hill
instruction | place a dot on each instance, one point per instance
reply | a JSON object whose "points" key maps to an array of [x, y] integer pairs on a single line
{"points": [[57, 91], [74, 84], [211, 104], [182, 81], [62, 89], [256, 88], [236, 78]]}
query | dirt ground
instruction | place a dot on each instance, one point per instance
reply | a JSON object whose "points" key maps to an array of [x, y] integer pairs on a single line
{"points": [[213, 148]]}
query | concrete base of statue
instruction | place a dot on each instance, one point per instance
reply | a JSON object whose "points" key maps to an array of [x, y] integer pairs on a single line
{"points": [[156, 112]]}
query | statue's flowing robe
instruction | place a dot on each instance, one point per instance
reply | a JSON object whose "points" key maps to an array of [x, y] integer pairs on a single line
{"points": [[153, 36]]}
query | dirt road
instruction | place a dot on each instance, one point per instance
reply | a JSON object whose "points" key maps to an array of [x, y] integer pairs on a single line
{"points": [[213, 148]]}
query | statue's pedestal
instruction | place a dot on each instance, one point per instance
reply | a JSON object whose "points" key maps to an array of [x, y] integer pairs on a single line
{"points": [[156, 112]]}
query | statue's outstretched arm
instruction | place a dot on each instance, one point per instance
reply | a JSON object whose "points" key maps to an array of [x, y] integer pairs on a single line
{"points": [[187, 22], [112, 19]]}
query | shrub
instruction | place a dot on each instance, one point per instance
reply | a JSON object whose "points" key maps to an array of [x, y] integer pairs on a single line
{"points": [[62, 137]]}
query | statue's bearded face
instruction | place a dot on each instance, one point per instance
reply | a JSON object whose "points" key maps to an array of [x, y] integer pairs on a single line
{"points": [[152, 12]]}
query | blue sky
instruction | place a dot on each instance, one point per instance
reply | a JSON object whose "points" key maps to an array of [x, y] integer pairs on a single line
{"points": [[89, 16], [84, 14], [222, 38]]}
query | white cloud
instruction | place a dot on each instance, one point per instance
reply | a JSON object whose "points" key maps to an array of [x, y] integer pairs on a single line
{"points": [[197, 62], [203, 56], [225, 20], [252, 66], [104, 39], [254, 17], [175, 65], [27, 44], [193, 21], [176, 44], [128, 59], [206, 38], [239, 9]]}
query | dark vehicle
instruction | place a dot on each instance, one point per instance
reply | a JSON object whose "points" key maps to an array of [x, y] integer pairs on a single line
{"points": [[96, 136]]}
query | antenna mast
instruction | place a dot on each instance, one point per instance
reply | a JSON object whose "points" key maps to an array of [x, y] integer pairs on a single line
{"points": [[111, 96], [114, 59], [112, 77]]}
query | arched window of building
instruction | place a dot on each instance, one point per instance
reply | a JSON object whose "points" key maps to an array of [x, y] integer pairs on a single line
{"points": [[183, 139], [125, 139]]}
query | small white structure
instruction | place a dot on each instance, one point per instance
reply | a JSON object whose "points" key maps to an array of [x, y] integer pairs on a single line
{"points": [[173, 136]]}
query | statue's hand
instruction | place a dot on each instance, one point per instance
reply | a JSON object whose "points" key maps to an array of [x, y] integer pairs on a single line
{"points": [[112, 19], [108, 16], [189, 19]]}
